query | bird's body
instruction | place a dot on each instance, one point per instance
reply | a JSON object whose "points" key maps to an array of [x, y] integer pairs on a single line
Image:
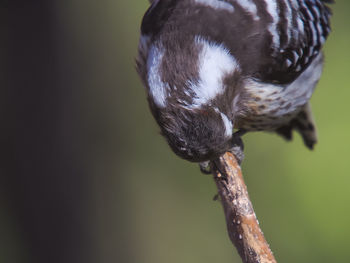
{"points": [[210, 66]]}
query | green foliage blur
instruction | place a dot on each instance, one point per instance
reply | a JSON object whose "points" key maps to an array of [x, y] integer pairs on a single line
{"points": [[166, 211]]}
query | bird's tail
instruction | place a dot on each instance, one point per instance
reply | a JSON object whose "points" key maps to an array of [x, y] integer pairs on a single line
{"points": [[304, 124]]}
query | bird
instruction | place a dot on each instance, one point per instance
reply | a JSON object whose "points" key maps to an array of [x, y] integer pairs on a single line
{"points": [[216, 69]]}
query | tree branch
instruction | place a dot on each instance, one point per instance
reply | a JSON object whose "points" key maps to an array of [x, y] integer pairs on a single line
{"points": [[242, 224]]}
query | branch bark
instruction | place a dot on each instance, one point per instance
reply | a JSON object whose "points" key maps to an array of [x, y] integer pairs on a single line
{"points": [[242, 224]]}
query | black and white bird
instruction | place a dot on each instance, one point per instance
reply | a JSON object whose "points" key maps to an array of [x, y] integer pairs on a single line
{"points": [[212, 66]]}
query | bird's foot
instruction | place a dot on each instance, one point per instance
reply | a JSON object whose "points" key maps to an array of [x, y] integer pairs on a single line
{"points": [[205, 167], [238, 146], [236, 150]]}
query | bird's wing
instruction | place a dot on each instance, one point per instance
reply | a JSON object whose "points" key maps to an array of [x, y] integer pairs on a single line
{"points": [[152, 23], [156, 16], [274, 41], [297, 33]]}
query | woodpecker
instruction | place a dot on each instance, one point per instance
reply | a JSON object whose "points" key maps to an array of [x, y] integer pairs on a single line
{"points": [[212, 67]]}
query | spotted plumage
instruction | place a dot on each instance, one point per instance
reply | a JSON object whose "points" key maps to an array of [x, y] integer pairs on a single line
{"points": [[211, 66]]}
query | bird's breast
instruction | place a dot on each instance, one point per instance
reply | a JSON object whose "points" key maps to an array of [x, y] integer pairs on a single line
{"points": [[266, 106]]}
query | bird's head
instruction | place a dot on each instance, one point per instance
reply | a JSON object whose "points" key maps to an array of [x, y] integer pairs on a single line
{"points": [[191, 83], [197, 135], [189, 94]]}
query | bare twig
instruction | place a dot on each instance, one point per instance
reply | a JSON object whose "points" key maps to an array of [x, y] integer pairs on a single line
{"points": [[242, 224]]}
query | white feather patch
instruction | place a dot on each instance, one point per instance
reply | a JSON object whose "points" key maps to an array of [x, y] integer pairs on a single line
{"points": [[215, 62], [289, 18], [227, 123], [271, 6], [217, 4], [250, 7], [157, 88]]}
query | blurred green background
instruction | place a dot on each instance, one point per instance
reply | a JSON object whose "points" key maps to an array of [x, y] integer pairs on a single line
{"points": [[130, 198]]}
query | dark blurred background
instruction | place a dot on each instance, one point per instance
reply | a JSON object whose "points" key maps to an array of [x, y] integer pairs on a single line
{"points": [[85, 176]]}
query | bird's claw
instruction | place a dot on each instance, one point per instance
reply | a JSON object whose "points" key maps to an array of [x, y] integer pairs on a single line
{"points": [[238, 146], [205, 167]]}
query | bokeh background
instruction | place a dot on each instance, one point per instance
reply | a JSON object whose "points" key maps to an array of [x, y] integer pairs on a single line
{"points": [[86, 177]]}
